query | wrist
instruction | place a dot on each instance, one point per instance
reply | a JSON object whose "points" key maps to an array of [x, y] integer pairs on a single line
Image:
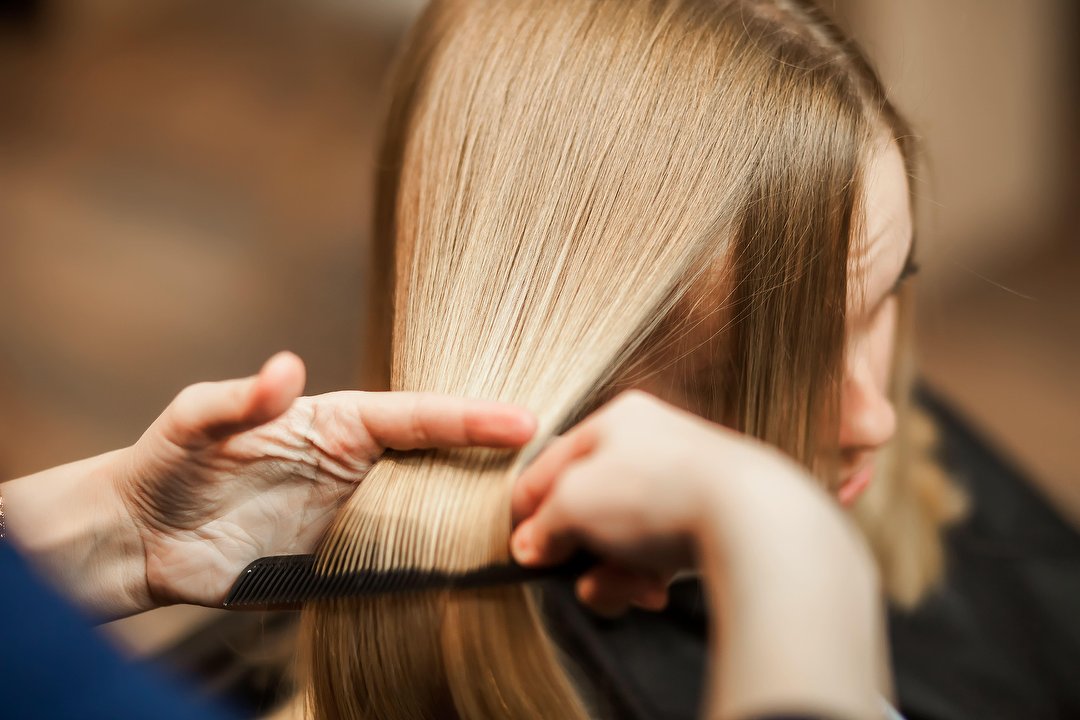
{"points": [[793, 589], [127, 553], [705, 464], [73, 524]]}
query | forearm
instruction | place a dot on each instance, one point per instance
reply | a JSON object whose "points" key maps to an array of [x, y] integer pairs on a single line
{"points": [[799, 624], [71, 523]]}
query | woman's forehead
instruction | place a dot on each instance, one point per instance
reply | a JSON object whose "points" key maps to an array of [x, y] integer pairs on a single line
{"points": [[878, 258]]}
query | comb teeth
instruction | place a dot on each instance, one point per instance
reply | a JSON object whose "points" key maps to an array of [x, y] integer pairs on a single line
{"points": [[285, 582]]}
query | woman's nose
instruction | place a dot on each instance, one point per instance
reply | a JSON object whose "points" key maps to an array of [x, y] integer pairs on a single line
{"points": [[867, 417]]}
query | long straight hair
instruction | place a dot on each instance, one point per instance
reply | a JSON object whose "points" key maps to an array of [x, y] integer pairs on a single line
{"points": [[565, 185]]}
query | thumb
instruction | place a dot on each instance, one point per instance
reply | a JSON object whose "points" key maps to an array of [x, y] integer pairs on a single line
{"points": [[210, 411]]}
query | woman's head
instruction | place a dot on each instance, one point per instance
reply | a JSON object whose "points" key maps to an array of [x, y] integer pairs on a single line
{"points": [[688, 367], [714, 156], [580, 195]]}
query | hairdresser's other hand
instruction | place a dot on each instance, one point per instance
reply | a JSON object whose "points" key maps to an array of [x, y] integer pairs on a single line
{"points": [[651, 490], [639, 483], [236, 470], [623, 484]]}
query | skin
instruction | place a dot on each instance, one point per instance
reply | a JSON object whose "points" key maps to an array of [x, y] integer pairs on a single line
{"points": [[640, 485], [867, 416], [230, 472]]}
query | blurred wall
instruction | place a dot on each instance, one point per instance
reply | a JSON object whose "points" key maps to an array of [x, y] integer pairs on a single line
{"points": [[185, 189], [988, 86]]}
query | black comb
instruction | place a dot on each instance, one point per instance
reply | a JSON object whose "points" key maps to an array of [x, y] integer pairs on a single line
{"points": [[286, 582]]}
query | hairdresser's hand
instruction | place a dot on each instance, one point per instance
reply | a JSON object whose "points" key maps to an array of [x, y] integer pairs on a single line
{"points": [[639, 483], [625, 483], [235, 470], [652, 490]]}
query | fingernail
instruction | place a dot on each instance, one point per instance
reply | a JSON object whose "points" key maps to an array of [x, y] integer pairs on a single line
{"points": [[521, 546], [513, 425], [523, 422]]}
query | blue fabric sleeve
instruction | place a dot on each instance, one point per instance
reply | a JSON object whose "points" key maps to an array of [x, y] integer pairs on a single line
{"points": [[54, 665]]}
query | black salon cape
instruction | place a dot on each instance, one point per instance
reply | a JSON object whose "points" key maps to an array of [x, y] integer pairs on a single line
{"points": [[1000, 640], [54, 666]]}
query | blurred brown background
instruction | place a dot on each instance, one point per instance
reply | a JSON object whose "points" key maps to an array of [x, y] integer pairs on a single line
{"points": [[185, 188]]}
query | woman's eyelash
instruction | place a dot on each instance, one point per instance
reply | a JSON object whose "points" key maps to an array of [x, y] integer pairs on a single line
{"points": [[910, 268]]}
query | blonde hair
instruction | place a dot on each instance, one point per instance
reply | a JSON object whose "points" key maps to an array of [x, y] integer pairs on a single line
{"points": [[566, 185]]}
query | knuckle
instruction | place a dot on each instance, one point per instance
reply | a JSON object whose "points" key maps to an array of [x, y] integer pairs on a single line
{"points": [[583, 439], [419, 429], [634, 403], [635, 397]]}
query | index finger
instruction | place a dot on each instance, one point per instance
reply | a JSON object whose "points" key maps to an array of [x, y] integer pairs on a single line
{"points": [[534, 484], [410, 420]]}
